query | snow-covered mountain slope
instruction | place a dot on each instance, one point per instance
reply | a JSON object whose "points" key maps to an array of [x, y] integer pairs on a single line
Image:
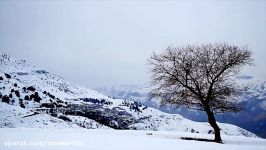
{"points": [[38, 97], [253, 102], [14, 116]]}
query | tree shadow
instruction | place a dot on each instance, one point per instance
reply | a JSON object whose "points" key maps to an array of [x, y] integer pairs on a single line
{"points": [[199, 139]]}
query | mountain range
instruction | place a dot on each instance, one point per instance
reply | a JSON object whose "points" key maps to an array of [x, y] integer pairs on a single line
{"points": [[252, 117], [33, 97]]}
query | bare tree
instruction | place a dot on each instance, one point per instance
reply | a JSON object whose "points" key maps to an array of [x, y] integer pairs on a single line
{"points": [[200, 77]]}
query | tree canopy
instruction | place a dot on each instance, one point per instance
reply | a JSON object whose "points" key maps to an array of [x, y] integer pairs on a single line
{"points": [[200, 77]]}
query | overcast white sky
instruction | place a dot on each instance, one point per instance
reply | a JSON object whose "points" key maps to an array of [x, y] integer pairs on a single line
{"points": [[103, 43]]}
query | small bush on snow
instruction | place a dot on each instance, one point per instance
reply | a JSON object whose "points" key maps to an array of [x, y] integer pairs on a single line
{"points": [[5, 99]]}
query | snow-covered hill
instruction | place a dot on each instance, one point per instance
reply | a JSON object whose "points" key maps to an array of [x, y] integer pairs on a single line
{"points": [[33, 97]]}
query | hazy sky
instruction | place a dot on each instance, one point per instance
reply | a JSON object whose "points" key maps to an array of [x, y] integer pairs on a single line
{"points": [[103, 43]]}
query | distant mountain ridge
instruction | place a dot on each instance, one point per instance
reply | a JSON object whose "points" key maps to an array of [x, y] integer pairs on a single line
{"points": [[33, 97], [252, 117]]}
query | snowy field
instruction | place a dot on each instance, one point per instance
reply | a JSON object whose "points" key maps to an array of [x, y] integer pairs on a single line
{"points": [[102, 139]]}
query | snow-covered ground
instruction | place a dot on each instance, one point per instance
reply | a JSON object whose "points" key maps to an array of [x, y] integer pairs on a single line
{"points": [[102, 139]]}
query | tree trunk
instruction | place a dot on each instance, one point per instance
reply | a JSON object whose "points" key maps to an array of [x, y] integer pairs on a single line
{"points": [[212, 122]]}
